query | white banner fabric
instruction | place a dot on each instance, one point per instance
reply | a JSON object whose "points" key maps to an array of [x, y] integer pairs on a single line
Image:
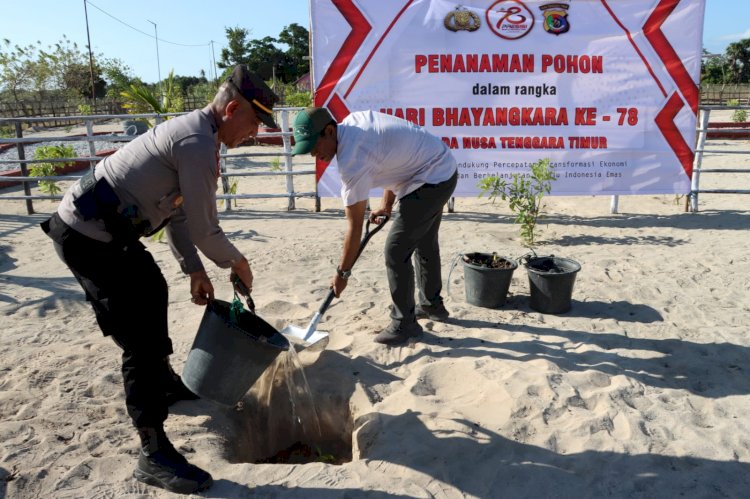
{"points": [[605, 89]]}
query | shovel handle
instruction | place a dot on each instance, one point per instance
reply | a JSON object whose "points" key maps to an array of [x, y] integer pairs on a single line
{"points": [[368, 234], [327, 302], [331, 295]]}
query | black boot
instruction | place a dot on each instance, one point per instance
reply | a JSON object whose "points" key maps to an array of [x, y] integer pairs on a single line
{"points": [[160, 465], [176, 389]]}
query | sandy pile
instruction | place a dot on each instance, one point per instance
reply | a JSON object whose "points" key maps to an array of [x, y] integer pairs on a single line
{"points": [[641, 390]]}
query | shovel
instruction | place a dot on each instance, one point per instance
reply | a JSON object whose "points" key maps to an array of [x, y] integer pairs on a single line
{"points": [[310, 336]]}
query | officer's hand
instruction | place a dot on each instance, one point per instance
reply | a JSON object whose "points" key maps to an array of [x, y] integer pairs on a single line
{"points": [[201, 289], [241, 270]]}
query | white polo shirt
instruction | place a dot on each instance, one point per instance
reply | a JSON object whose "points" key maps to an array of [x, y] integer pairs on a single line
{"points": [[380, 150]]}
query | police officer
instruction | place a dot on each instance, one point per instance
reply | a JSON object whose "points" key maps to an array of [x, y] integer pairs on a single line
{"points": [[166, 177]]}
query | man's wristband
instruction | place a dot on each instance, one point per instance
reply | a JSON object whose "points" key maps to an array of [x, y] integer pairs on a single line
{"points": [[344, 274]]}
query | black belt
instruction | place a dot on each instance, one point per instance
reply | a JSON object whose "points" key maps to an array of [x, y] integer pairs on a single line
{"points": [[99, 201]]}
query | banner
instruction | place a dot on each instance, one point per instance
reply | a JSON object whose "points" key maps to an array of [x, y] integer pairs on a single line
{"points": [[605, 89]]}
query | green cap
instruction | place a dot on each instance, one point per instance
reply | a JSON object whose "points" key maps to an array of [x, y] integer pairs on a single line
{"points": [[307, 127]]}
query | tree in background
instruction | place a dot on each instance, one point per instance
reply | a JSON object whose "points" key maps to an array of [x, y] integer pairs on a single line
{"points": [[713, 68], [186, 82], [738, 59], [297, 39], [118, 77], [263, 55], [71, 72], [60, 70], [237, 50], [731, 67], [266, 59], [19, 68]]}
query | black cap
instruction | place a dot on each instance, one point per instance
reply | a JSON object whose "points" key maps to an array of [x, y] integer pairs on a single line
{"points": [[254, 89]]}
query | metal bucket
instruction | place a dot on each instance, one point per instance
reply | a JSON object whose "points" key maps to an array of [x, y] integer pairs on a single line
{"points": [[228, 357]]}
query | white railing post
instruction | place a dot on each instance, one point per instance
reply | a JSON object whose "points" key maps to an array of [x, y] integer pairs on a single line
{"points": [[224, 179], [698, 160], [22, 166], [287, 158], [614, 204], [90, 137]]}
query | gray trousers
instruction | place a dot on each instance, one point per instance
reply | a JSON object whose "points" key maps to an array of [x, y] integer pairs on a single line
{"points": [[415, 232]]}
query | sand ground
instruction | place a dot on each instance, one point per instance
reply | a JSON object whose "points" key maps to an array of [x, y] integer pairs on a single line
{"points": [[641, 390]]}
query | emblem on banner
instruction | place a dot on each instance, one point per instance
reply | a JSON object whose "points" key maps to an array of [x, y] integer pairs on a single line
{"points": [[556, 18], [510, 19], [462, 19]]}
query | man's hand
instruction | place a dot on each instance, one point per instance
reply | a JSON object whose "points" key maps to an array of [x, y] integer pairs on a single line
{"points": [[386, 206], [375, 215], [201, 288], [338, 284]]}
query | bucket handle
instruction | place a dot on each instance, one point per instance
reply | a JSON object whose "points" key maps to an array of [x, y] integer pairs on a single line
{"points": [[240, 286], [453, 266]]}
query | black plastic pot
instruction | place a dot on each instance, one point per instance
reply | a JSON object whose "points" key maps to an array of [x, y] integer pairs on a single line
{"points": [[486, 286], [551, 281]]}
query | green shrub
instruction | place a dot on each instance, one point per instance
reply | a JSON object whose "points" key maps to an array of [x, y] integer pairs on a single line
{"points": [[50, 169], [739, 115], [140, 99], [276, 164], [7, 132], [233, 185], [298, 99], [523, 195]]}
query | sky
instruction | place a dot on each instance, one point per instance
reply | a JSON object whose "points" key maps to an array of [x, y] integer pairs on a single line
{"points": [[185, 28]]}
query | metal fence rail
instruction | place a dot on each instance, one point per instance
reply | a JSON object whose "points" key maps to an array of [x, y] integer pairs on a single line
{"points": [[700, 150], [719, 94], [226, 159]]}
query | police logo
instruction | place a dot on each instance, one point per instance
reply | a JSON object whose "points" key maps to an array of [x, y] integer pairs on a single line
{"points": [[556, 18], [462, 19]]}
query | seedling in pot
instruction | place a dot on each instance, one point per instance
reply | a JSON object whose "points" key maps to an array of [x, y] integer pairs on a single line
{"points": [[493, 261], [523, 195]]}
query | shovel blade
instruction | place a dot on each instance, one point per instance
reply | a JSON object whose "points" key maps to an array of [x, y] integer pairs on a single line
{"points": [[297, 334]]}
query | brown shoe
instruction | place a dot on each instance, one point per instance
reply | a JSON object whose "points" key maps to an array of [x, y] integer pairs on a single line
{"points": [[398, 333], [433, 312]]}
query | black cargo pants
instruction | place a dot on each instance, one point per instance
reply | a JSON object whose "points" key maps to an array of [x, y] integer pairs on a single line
{"points": [[415, 232], [129, 296]]}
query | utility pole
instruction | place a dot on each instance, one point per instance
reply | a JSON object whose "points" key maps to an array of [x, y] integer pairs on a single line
{"points": [[91, 57], [213, 58], [158, 65]]}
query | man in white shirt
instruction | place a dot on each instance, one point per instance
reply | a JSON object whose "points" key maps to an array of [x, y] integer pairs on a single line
{"points": [[379, 150]]}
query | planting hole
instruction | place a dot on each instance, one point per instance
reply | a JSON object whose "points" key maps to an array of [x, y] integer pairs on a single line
{"points": [[281, 420]]}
